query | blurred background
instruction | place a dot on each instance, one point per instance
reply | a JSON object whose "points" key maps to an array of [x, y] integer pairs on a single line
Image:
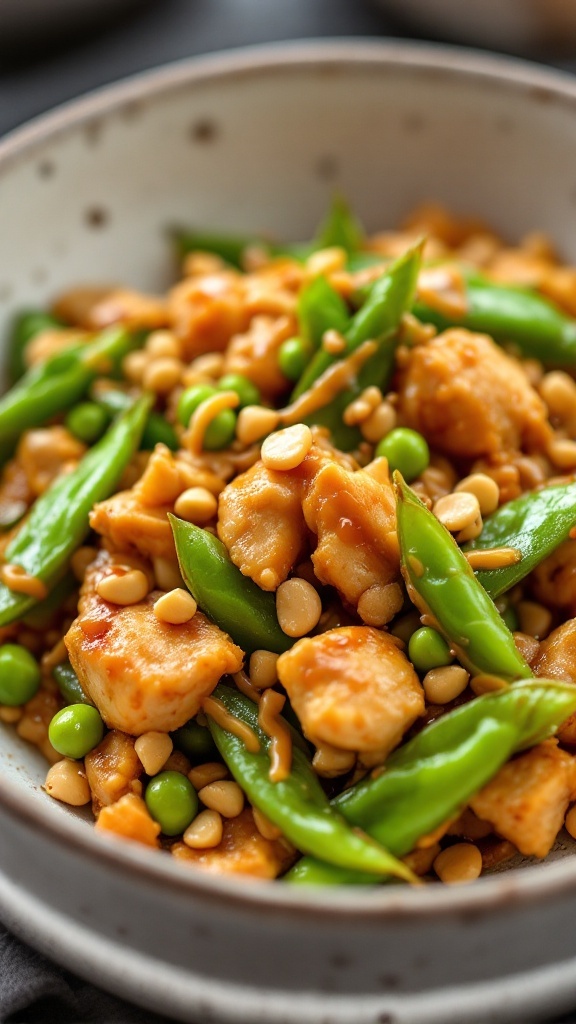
{"points": [[54, 50]]}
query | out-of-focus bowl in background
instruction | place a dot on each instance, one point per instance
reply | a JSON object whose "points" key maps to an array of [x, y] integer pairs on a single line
{"points": [[519, 26], [257, 141]]}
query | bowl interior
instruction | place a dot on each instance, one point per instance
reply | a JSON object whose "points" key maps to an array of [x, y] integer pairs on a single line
{"points": [[258, 143]]}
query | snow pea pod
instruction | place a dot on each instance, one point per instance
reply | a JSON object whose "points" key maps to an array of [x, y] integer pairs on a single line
{"points": [[233, 601], [157, 429], [297, 804], [58, 522], [320, 308], [69, 684], [444, 589], [340, 228], [60, 382], [378, 318], [535, 524], [26, 326], [512, 314], [435, 774]]}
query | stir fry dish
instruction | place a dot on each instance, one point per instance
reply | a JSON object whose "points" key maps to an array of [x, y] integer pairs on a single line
{"points": [[288, 554]]}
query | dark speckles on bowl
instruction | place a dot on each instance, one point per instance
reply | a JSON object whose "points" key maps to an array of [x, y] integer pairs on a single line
{"points": [[257, 141]]}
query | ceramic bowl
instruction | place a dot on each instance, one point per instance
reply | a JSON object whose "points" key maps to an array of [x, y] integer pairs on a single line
{"points": [[258, 140]]}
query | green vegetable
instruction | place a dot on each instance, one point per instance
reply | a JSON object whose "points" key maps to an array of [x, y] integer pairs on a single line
{"points": [[157, 430], [191, 399], [535, 524], [434, 775], [58, 522], [293, 357], [26, 326], [220, 431], [195, 741], [87, 421], [443, 587], [60, 382], [340, 228], [297, 804], [427, 649], [247, 392], [19, 675], [233, 601], [406, 451], [76, 730], [172, 801], [320, 308], [378, 319], [512, 314], [69, 684], [510, 617]]}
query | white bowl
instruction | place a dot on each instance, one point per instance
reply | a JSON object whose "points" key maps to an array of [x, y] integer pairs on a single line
{"points": [[257, 140]]}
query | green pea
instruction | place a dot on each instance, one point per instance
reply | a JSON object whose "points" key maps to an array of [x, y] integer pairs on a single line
{"points": [[172, 802], [293, 358], [196, 742], [191, 399], [87, 422], [427, 649], [405, 450], [76, 730], [221, 430], [247, 392], [19, 675]]}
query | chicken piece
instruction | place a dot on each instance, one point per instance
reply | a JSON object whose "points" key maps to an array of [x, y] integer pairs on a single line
{"points": [[112, 769], [242, 851], [45, 453], [353, 688], [130, 819], [255, 353], [354, 517], [527, 800], [132, 309], [260, 521], [205, 312], [468, 398], [75, 305], [557, 660], [132, 526], [141, 673], [554, 580], [15, 493]]}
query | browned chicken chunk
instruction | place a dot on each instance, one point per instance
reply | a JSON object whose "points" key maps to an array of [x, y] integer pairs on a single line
{"points": [[354, 518], [527, 800], [352, 688], [467, 397], [132, 526], [554, 580], [206, 311], [112, 768], [242, 851], [255, 353], [260, 521], [141, 673], [130, 819], [557, 660]]}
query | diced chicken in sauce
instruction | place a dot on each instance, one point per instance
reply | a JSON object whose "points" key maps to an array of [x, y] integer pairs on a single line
{"points": [[141, 673], [352, 688]]}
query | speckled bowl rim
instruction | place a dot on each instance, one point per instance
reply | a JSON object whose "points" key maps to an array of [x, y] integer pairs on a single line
{"points": [[529, 884]]}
